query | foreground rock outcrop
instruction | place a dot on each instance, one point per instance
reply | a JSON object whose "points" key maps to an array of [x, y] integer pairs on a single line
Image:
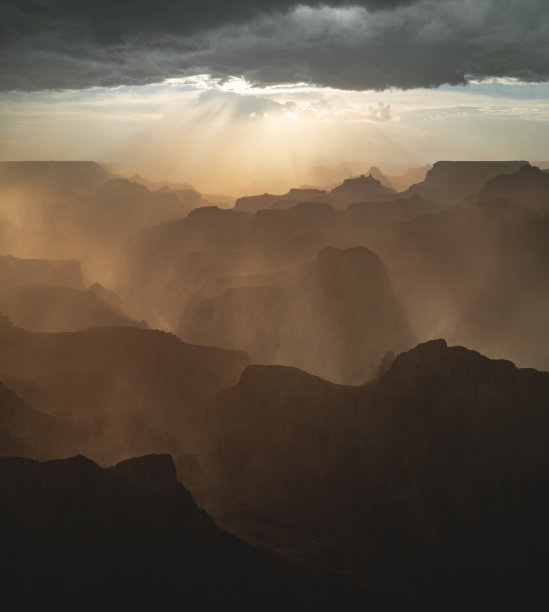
{"points": [[130, 536]]}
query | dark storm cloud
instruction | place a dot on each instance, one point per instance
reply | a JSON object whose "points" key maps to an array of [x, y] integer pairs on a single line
{"points": [[358, 44], [113, 21]]}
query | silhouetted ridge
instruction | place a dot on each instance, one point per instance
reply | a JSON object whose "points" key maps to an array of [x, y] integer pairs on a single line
{"points": [[428, 356], [151, 468], [128, 536], [529, 187], [311, 207], [113, 390], [259, 379], [433, 474], [167, 268], [451, 181], [24, 430], [212, 218], [65, 473], [56, 175], [208, 212], [431, 360], [301, 193], [56, 309], [376, 173], [360, 189], [399, 182], [355, 256], [267, 200]]}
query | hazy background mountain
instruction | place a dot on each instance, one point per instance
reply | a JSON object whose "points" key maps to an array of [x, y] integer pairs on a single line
{"points": [[336, 318], [78, 210]]}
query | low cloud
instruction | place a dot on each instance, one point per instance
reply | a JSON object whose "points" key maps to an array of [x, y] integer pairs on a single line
{"points": [[241, 106], [381, 112], [336, 109]]}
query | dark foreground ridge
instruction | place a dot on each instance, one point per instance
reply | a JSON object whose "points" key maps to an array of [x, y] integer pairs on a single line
{"points": [[442, 483], [439, 497], [71, 531]]}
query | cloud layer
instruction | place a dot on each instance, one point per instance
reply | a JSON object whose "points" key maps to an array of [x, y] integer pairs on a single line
{"points": [[347, 44]]}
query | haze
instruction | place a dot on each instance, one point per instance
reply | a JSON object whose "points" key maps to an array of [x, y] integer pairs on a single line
{"points": [[273, 304]]}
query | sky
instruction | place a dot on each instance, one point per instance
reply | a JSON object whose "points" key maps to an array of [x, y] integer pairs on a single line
{"points": [[250, 95]]}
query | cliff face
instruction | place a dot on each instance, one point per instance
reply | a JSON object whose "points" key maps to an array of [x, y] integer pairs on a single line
{"points": [[127, 535]]}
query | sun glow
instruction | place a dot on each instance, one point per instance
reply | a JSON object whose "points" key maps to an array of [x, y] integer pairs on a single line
{"points": [[234, 136]]}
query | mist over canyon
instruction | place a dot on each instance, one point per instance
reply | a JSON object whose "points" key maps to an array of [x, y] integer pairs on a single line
{"points": [[333, 394]]}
